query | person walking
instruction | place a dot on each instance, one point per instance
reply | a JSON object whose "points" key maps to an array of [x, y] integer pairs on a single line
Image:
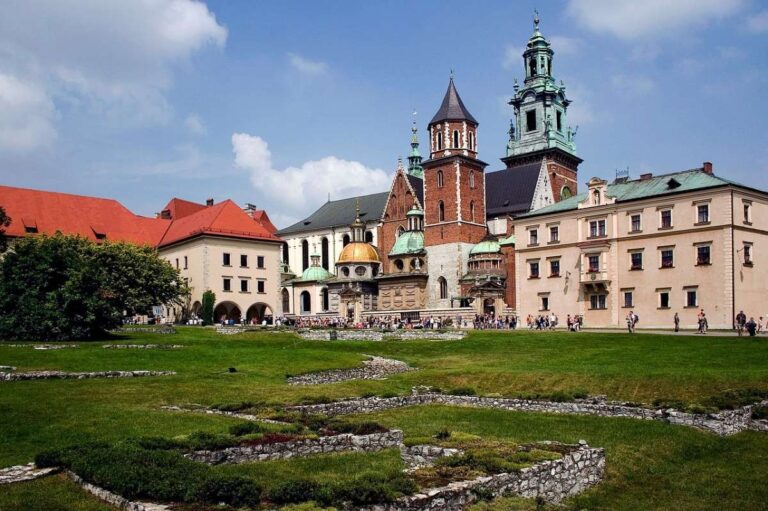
{"points": [[631, 322], [751, 327], [741, 320], [677, 322], [703, 322]]}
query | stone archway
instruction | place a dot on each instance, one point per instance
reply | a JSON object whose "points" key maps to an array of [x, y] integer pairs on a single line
{"points": [[489, 306], [286, 301], [305, 302], [197, 309], [227, 311], [258, 312]]}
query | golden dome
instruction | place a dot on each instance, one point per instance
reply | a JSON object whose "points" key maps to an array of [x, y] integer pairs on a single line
{"points": [[359, 252]]}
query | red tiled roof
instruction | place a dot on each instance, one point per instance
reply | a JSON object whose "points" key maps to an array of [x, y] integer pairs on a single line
{"points": [[261, 216], [96, 218]]}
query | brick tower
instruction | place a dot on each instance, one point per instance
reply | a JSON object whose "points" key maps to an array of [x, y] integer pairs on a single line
{"points": [[454, 198]]}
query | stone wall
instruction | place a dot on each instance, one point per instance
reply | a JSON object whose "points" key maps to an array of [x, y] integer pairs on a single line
{"points": [[114, 499], [375, 368], [142, 346], [418, 456], [19, 473], [552, 481], [323, 445], [724, 423], [161, 329], [62, 375], [378, 335]]}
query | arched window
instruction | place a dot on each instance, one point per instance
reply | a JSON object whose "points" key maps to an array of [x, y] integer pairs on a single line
{"points": [[455, 139], [471, 178], [440, 211], [324, 298], [471, 141], [471, 211], [285, 253], [443, 287], [306, 303], [565, 193], [439, 140], [304, 255], [400, 231], [369, 236], [596, 196], [324, 253], [345, 240], [531, 67], [439, 178], [286, 301]]}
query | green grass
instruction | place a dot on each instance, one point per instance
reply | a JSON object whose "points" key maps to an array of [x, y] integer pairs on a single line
{"points": [[650, 465]]}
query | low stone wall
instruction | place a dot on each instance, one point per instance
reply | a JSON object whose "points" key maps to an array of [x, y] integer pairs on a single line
{"points": [[552, 481], [323, 445], [114, 499], [62, 375], [163, 329], [142, 346], [379, 335], [20, 473], [375, 368], [7, 369], [724, 423], [426, 335], [419, 456], [213, 411], [40, 347]]}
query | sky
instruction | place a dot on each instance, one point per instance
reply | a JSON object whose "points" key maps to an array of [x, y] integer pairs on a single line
{"points": [[283, 104]]}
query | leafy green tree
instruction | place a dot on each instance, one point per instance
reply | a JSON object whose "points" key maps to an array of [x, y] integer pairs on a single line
{"points": [[5, 221], [66, 287], [209, 298]]}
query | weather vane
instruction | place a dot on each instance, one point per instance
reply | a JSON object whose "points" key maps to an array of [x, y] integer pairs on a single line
{"points": [[536, 18]]}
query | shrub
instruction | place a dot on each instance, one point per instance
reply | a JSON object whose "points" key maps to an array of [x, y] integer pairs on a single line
{"points": [[50, 458], [237, 491], [580, 394], [731, 399], [367, 395], [210, 441], [158, 443], [293, 491], [668, 403], [760, 412], [463, 391], [245, 428], [387, 395], [235, 407], [209, 298], [443, 434], [315, 400], [373, 488], [361, 428]]}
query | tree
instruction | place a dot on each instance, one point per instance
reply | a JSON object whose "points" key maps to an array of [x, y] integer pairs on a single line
{"points": [[209, 298], [66, 287], [5, 221]]}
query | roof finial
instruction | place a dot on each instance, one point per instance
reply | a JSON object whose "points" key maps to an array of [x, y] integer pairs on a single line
{"points": [[400, 163], [357, 207], [451, 74], [536, 20]]}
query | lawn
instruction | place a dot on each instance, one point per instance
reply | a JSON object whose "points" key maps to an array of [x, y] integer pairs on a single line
{"points": [[650, 465]]}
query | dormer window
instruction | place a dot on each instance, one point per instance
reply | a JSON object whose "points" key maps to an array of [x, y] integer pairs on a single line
{"points": [[30, 229]]}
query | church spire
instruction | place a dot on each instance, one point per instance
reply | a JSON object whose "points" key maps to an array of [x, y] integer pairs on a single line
{"points": [[414, 159]]}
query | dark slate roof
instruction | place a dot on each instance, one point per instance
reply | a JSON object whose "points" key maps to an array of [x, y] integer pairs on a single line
{"points": [[510, 191], [453, 108], [418, 186], [340, 213]]}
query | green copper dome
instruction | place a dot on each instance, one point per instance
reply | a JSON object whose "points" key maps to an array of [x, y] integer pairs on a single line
{"points": [[317, 273], [410, 242], [487, 246]]}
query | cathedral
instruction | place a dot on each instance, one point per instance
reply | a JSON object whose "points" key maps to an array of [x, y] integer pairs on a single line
{"points": [[440, 241]]}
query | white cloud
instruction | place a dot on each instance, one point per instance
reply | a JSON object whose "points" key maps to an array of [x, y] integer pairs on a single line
{"points": [[758, 22], [110, 57], [307, 66], [513, 57], [635, 85], [194, 123], [564, 45], [297, 191], [633, 19], [26, 115], [580, 111]]}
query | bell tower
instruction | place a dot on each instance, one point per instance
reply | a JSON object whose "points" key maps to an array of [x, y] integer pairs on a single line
{"points": [[539, 131]]}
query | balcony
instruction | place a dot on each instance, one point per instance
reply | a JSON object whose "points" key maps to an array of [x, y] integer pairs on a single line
{"points": [[593, 276]]}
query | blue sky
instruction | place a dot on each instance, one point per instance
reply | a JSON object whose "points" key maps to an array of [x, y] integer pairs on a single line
{"points": [[281, 103]]}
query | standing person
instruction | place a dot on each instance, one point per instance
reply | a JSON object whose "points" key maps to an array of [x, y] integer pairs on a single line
{"points": [[741, 320], [760, 325], [751, 327], [631, 322], [677, 322]]}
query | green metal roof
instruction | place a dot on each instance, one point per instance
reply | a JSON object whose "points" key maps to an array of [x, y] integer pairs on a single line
{"points": [[507, 241], [410, 242], [487, 246], [414, 212], [315, 273], [667, 184]]}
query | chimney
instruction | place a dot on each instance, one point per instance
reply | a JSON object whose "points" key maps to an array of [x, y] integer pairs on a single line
{"points": [[646, 176], [165, 214], [209, 202], [708, 167]]}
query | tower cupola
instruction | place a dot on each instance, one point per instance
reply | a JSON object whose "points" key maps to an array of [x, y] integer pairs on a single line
{"points": [[414, 159], [452, 130]]}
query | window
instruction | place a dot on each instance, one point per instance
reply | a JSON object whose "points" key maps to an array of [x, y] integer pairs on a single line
{"points": [[243, 286], [748, 254], [628, 302], [304, 255], [593, 263], [747, 213], [30, 229], [243, 261], [344, 241], [440, 212], [227, 284], [177, 263], [554, 234], [702, 213], [597, 228], [455, 139], [533, 237], [534, 267], [636, 261], [703, 255], [691, 298], [259, 261], [530, 120], [186, 261], [664, 299], [259, 286], [635, 223], [360, 271], [471, 178], [559, 118], [226, 260], [439, 178], [345, 271], [400, 231], [399, 264], [666, 218], [597, 302], [596, 197], [443, 285], [324, 259], [369, 236], [667, 258], [565, 193], [471, 141], [471, 211], [554, 268], [544, 305], [439, 140]]}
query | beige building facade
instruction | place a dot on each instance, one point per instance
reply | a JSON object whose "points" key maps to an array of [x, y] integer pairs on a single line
{"points": [[678, 243]]}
